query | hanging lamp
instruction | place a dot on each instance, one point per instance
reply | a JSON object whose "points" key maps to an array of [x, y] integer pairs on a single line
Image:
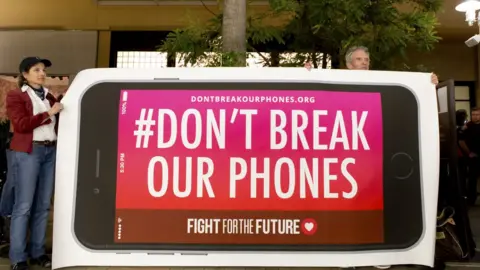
{"points": [[470, 8]]}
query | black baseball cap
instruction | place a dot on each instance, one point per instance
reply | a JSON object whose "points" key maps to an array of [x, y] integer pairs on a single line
{"points": [[31, 61]]}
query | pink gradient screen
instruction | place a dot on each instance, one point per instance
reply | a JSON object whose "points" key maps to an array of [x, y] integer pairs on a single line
{"points": [[331, 158]]}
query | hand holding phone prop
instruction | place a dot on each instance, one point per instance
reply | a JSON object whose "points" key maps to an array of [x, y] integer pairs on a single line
{"points": [[273, 171], [56, 108]]}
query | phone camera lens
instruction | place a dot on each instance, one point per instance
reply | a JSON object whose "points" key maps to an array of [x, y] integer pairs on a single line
{"points": [[96, 191]]}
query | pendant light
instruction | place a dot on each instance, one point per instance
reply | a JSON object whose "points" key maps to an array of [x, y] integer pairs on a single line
{"points": [[470, 8]]}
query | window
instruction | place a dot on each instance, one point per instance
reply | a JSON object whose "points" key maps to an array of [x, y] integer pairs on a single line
{"points": [[141, 59], [462, 98], [154, 59]]}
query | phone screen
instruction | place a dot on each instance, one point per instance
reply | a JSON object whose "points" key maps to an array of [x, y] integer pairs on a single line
{"points": [[241, 167]]}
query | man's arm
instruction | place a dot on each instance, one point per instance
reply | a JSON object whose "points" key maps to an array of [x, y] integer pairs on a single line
{"points": [[308, 66], [461, 137], [464, 147], [434, 79]]}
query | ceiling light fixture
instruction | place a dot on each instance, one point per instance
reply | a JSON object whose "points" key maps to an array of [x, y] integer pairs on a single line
{"points": [[470, 7]]}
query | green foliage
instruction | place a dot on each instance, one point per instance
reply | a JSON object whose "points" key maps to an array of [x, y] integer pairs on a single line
{"points": [[313, 28], [202, 43]]}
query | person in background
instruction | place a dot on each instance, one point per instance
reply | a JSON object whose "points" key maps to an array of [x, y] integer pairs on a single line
{"points": [[358, 58], [6, 187], [33, 112], [6, 199], [472, 138], [463, 150]]}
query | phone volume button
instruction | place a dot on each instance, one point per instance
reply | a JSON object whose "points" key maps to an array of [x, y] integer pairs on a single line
{"points": [[195, 254], [160, 253]]}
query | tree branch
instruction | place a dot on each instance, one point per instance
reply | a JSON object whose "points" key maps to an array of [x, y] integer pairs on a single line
{"points": [[209, 10], [267, 61]]}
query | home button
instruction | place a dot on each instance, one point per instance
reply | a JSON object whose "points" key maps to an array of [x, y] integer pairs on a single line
{"points": [[402, 165]]}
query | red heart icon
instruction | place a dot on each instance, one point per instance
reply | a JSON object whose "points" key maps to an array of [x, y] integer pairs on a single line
{"points": [[309, 226]]}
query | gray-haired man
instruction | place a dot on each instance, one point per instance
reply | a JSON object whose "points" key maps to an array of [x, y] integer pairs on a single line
{"points": [[358, 58]]}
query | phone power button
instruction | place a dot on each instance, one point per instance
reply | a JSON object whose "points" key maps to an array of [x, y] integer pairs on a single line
{"points": [[402, 165]]}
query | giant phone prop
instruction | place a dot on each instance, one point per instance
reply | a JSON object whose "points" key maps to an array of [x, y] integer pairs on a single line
{"points": [[246, 167]]}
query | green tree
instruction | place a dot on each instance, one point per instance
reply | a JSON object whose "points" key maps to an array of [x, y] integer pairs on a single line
{"points": [[315, 28]]}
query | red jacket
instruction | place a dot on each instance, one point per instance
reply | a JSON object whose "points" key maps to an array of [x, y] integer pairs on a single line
{"points": [[20, 113]]}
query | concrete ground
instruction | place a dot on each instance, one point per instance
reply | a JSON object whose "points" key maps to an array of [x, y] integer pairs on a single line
{"points": [[4, 265], [474, 216]]}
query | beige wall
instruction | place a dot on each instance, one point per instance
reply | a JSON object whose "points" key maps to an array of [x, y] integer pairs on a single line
{"points": [[87, 15], [449, 60], [69, 51], [103, 49]]}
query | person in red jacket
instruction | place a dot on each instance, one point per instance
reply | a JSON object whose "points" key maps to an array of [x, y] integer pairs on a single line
{"points": [[33, 112]]}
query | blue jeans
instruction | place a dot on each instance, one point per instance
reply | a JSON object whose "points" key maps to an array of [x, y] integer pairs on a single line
{"points": [[7, 198], [33, 191]]}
